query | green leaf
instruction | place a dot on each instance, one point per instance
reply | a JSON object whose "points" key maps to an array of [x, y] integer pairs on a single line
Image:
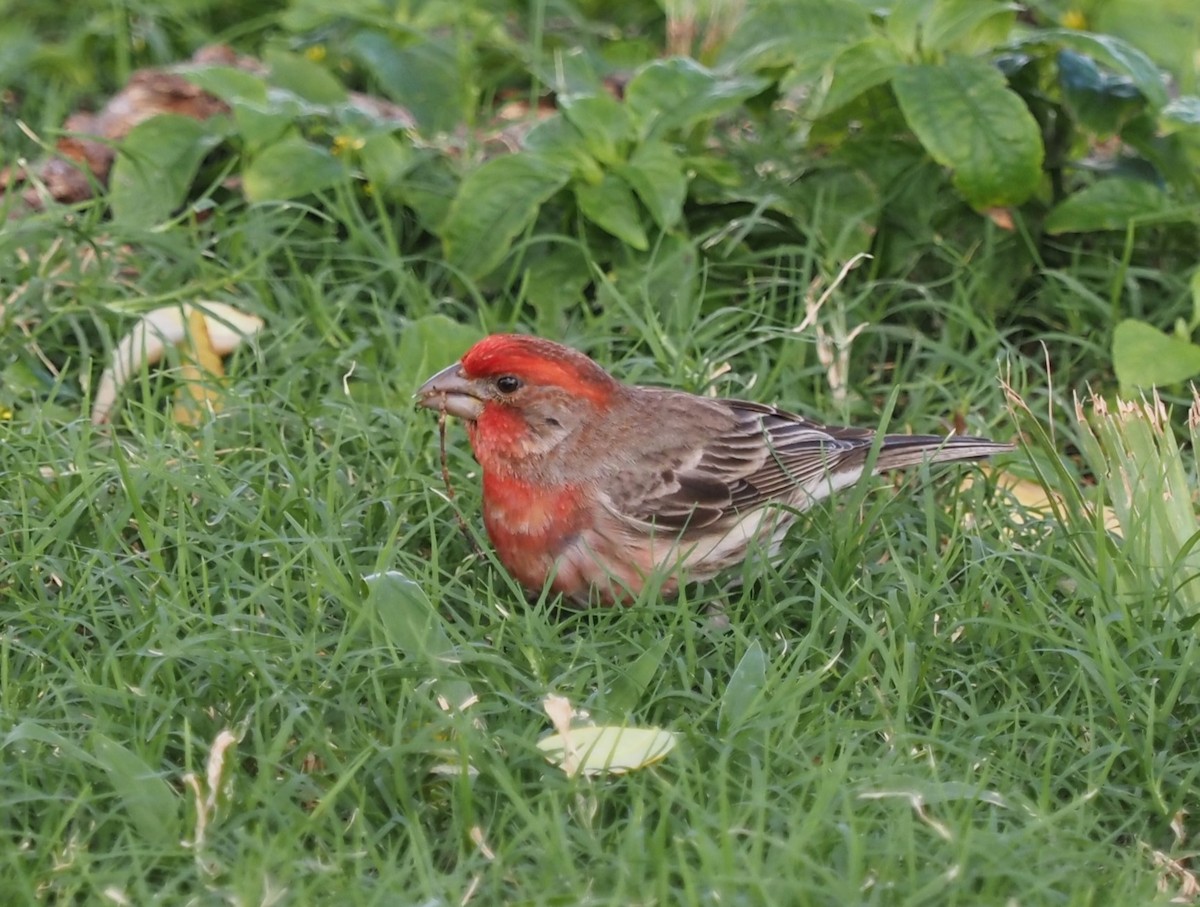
{"points": [[1194, 286], [670, 278], [1182, 114], [495, 204], [413, 626], [430, 187], [1145, 357], [637, 676], [430, 343], [228, 83], [968, 120], [743, 692], [425, 77], [559, 143], [31, 730], [656, 173], [553, 285], [607, 750], [291, 169], [385, 161], [804, 34], [1114, 53], [155, 166], [262, 117], [858, 69], [1101, 101], [263, 125], [842, 207], [677, 94], [152, 805], [967, 26], [602, 121], [611, 206], [304, 78], [1107, 205], [405, 613]]}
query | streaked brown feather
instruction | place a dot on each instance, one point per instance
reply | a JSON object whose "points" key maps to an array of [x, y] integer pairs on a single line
{"points": [[761, 455]]}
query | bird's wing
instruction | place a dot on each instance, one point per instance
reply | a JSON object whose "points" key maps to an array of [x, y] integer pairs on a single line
{"points": [[759, 455], [753, 455]]}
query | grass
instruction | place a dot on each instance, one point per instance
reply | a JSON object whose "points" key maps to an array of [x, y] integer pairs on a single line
{"points": [[934, 697], [954, 707]]}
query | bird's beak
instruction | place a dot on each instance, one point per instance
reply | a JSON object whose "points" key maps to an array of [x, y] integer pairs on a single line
{"points": [[452, 391]]}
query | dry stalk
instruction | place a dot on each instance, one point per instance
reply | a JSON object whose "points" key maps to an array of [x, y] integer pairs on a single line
{"points": [[462, 523]]}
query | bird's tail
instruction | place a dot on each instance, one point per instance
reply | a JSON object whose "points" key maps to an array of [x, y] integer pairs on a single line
{"points": [[899, 451]]}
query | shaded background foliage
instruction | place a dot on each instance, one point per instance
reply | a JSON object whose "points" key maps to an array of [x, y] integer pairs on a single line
{"points": [[692, 182], [917, 132]]}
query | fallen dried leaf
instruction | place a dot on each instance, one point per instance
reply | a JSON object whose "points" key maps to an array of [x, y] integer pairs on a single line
{"points": [[225, 326]]}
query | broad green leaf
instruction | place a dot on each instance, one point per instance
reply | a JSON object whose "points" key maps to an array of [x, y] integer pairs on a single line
{"points": [[385, 161], [607, 750], [412, 625], [495, 203], [262, 116], [637, 676], [656, 173], [1114, 53], [558, 142], [264, 124], [428, 344], [679, 93], [405, 613], [226, 82], [304, 78], [745, 684], [603, 122], [841, 206], [425, 77], [669, 278], [858, 69], [903, 24], [31, 730], [967, 26], [554, 284], [1101, 101], [610, 205], [804, 34], [291, 169], [1145, 357], [1109, 204], [155, 166], [1181, 114], [1194, 286], [152, 805], [430, 187], [968, 120]]}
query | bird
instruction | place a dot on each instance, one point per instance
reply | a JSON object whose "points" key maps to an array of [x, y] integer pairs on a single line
{"points": [[598, 488]]}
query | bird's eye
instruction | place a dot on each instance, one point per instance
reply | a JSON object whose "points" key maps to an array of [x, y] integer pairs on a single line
{"points": [[507, 384]]}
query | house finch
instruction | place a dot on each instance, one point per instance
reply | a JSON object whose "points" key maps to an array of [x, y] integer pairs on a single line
{"points": [[594, 485]]}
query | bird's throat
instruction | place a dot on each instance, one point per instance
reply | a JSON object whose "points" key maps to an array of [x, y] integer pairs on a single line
{"points": [[530, 524], [500, 438]]}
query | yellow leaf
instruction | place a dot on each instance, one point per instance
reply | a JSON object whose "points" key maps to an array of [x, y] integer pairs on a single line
{"points": [[224, 327], [1034, 499], [199, 373], [607, 750]]}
